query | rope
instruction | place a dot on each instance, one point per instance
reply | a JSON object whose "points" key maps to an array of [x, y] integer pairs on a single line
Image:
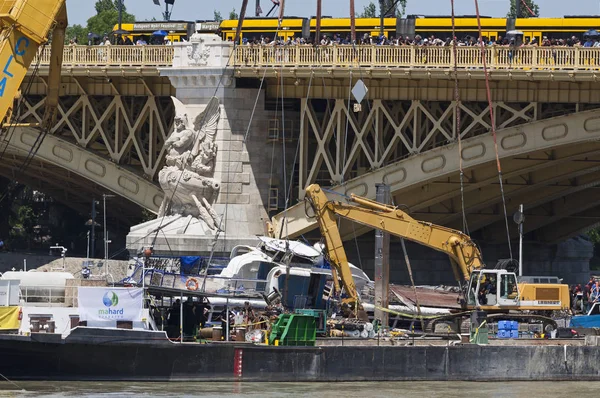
{"points": [[412, 281], [493, 123], [12, 382], [458, 125]]}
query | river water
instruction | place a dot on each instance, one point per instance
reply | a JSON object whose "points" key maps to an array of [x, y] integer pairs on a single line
{"points": [[321, 390]]}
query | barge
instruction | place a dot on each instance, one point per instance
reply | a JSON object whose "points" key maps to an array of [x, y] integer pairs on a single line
{"points": [[95, 354]]}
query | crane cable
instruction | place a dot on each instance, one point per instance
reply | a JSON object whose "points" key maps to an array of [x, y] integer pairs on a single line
{"points": [[457, 122], [223, 224], [492, 122]]}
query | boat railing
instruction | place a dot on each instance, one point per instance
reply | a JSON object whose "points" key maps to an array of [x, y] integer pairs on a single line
{"points": [[175, 265], [213, 284]]}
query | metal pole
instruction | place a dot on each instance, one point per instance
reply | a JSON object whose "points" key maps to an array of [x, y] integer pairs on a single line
{"points": [[181, 319], [381, 16], [120, 14], [318, 27], [227, 319], [241, 18], [382, 262], [521, 244], [352, 22], [104, 196], [93, 251], [258, 10], [518, 8], [104, 218]]}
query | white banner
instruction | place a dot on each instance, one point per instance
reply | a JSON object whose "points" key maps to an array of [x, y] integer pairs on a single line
{"points": [[9, 292], [110, 304]]}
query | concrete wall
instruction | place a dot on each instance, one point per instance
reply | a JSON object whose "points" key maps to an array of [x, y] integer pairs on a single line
{"points": [[10, 260]]}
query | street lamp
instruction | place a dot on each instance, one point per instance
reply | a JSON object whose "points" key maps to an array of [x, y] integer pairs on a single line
{"points": [[106, 241], [167, 13], [519, 219], [120, 14]]}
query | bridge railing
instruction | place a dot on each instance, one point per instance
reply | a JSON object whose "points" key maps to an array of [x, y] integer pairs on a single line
{"points": [[113, 56], [497, 57], [344, 56]]}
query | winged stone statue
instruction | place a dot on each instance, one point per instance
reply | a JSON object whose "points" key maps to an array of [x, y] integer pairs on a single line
{"points": [[187, 177]]}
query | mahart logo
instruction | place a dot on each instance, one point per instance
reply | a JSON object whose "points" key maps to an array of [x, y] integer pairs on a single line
{"points": [[110, 299]]}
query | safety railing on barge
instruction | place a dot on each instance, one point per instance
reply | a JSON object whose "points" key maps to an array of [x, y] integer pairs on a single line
{"points": [[112, 56], [497, 57]]}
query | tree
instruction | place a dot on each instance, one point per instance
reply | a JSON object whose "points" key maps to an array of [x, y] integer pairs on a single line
{"points": [[370, 11], [373, 11], [217, 16], [107, 5], [396, 9], [525, 13], [77, 31], [107, 16], [233, 14]]}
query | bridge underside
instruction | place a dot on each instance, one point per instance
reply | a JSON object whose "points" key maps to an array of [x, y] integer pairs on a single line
{"points": [[69, 188], [551, 166], [108, 139]]}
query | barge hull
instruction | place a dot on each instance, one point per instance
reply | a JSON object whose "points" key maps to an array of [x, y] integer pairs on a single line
{"points": [[46, 358]]}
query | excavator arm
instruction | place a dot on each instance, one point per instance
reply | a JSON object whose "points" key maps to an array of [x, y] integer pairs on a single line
{"points": [[464, 254], [25, 26]]}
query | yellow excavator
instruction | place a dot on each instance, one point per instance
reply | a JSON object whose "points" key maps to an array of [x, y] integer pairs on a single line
{"points": [[490, 290], [26, 25]]}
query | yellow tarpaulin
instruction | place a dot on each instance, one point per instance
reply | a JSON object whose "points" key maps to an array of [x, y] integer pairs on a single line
{"points": [[9, 318]]}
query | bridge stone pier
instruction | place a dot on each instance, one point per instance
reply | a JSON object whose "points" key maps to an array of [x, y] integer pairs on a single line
{"points": [[246, 155]]}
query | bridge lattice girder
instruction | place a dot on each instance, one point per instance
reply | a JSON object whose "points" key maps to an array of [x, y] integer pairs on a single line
{"points": [[544, 162], [108, 137]]}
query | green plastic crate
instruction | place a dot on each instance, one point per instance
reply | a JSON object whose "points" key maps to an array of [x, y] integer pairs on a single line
{"points": [[294, 330]]}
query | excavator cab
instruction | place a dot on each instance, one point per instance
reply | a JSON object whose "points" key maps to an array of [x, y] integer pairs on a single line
{"points": [[493, 289]]}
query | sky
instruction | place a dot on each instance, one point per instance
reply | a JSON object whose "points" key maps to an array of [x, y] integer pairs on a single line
{"points": [[191, 10]]}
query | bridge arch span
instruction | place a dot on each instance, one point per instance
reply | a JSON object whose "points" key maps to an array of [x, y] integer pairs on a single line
{"points": [[543, 162], [91, 167]]}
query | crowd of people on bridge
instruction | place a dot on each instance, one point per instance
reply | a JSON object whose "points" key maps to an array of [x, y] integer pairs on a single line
{"points": [[418, 40]]}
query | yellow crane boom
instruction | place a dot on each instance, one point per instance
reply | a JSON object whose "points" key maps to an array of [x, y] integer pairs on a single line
{"points": [[464, 254], [25, 26]]}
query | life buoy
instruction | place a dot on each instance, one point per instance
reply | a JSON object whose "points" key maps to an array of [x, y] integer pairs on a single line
{"points": [[192, 284]]}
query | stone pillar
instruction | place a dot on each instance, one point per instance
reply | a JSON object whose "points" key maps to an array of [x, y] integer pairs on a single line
{"points": [[199, 73]]}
